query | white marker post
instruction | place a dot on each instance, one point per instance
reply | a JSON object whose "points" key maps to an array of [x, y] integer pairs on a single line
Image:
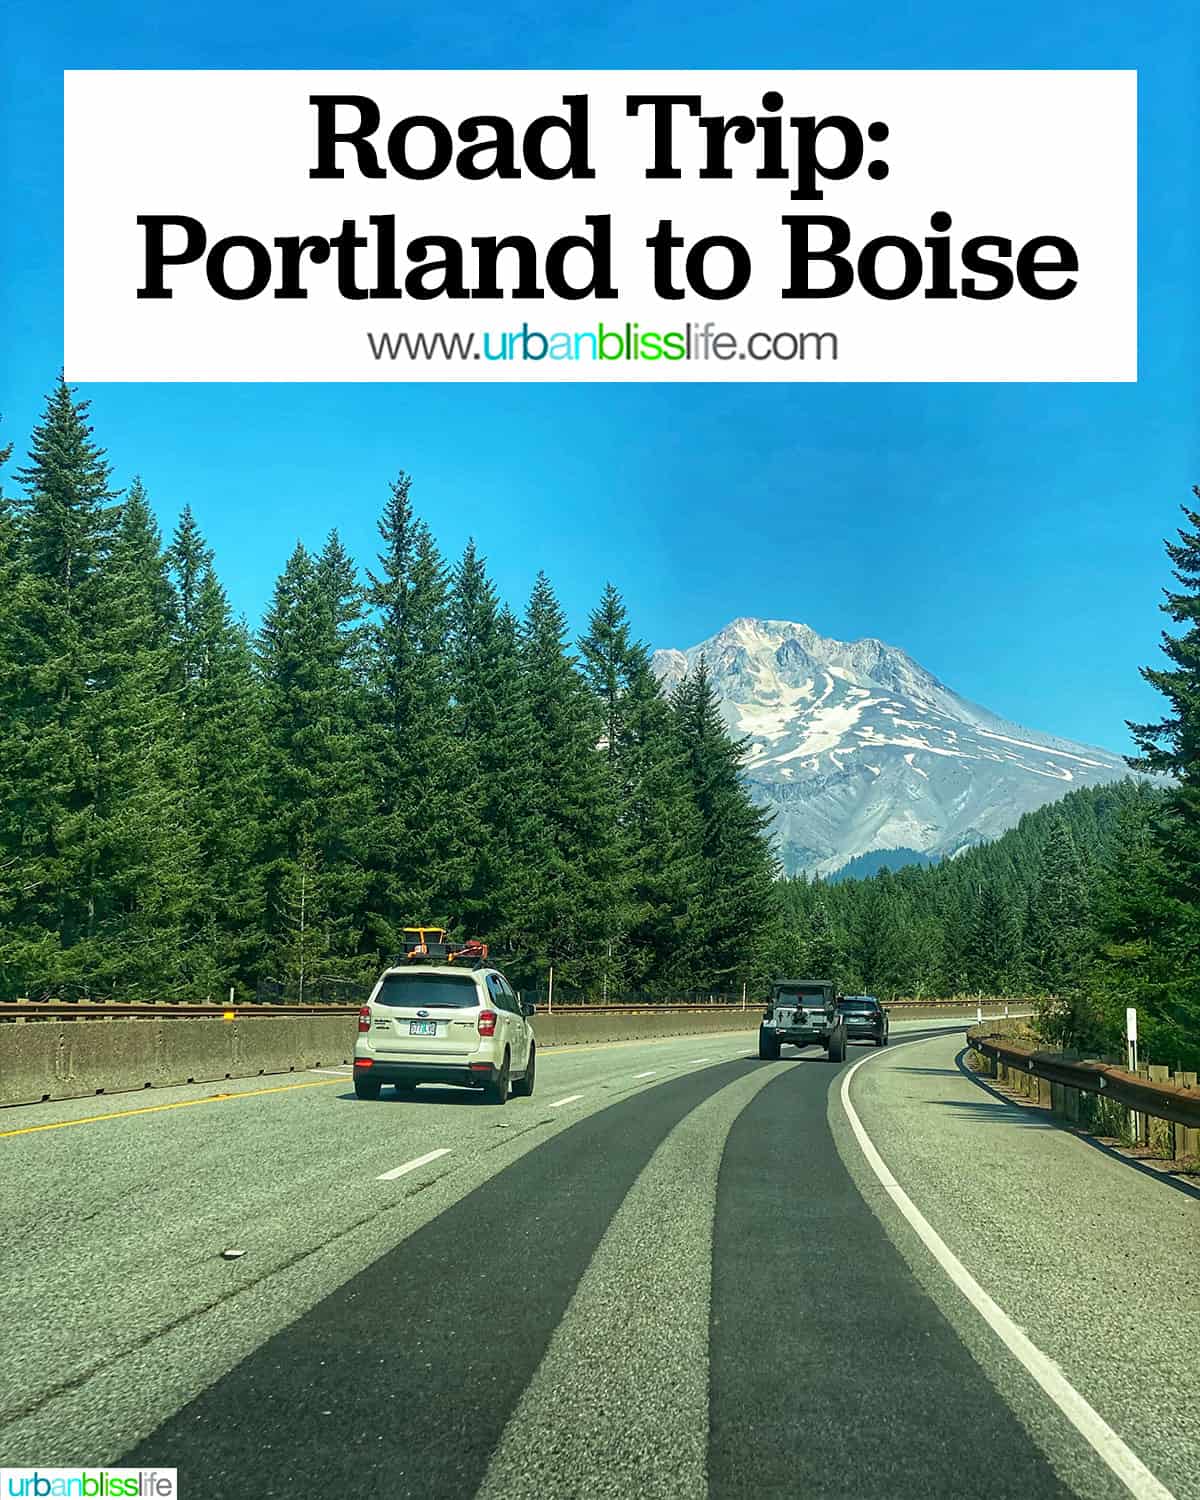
{"points": [[1131, 1040], [550, 993]]}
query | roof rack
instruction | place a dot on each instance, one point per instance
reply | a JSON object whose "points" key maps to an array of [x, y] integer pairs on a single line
{"points": [[434, 945]]}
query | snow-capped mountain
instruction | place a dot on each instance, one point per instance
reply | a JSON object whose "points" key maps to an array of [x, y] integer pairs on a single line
{"points": [[856, 747]]}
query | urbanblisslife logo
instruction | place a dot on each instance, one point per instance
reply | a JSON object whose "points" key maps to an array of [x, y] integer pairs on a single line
{"points": [[88, 1484]]}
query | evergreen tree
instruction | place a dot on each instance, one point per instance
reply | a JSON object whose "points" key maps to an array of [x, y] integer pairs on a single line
{"points": [[142, 843], [993, 942], [610, 659], [319, 797], [656, 822], [221, 706], [822, 945], [418, 861], [496, 795], [1059, 939], [48, 842], [574, 913], [189, 562], [1138, 919], [1171, 863], [16, 941], [737, 915]]}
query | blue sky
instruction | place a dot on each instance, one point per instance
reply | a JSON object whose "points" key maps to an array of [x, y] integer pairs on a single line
{"points": [[1009, 537]]}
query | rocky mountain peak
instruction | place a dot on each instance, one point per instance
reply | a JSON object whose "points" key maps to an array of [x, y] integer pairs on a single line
{"points": [[856, 747]]}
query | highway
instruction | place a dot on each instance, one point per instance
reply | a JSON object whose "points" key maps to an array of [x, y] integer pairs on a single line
{"points": [[673, 1272]]}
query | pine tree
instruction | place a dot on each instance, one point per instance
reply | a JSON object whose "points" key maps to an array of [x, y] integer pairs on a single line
{"points": [[189, 562], [822, 949], [1171, 916], [64, 526], [221, 706], [1137, 920], [1060, 940], [418, 862], [656, 821], [143, 841], [993, 941], [574, 913], [610, 660], [738, 914], [317, 790], [496, 801], [15, 944]]}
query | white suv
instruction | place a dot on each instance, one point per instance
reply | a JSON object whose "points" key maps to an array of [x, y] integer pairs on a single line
{"points": [[438, 1023]]}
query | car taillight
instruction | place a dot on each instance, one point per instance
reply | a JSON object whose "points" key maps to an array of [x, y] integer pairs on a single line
{"points": [[487, 1023], [364, 1018]]}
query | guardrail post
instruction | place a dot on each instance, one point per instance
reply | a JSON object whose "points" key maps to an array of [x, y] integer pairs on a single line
{"points": [[1143, 1121], [1160, 1136], [1187, 1140]]}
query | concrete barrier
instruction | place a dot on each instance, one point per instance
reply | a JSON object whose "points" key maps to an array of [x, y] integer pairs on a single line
{"points": [[575, 1028], [54, 1059], [42, 1060]]}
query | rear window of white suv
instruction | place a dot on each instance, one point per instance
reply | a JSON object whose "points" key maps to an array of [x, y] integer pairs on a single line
{"points": [[445, 991]]}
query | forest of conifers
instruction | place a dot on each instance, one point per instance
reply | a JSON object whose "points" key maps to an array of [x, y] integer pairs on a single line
{"points": [[188, 805]]}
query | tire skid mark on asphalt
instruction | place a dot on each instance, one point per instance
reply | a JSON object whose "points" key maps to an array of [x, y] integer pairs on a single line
{"points": [[628, 1332], [405, 1376], [817, 1322]]}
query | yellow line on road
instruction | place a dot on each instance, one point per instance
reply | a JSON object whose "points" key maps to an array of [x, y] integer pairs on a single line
{"points": [[153, 1109], [283, 1088]]}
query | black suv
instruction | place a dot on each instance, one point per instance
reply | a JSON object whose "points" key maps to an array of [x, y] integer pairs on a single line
{"points": [[865, 1018]]}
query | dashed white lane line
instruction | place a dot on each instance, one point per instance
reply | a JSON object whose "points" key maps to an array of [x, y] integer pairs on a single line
{"points": [[411, 1166], [570, 1099], [694, 1061], [648, 1074], [1122, 1460]]}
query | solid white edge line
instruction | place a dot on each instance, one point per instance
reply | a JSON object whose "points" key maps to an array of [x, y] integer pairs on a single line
{"points": [[570, 1099], [333, 1072], [1121, 1459], [411, 1166]]}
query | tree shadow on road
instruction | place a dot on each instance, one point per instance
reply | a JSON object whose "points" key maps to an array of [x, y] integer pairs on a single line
{"points": [[990, 1114], [1048, 1121]]}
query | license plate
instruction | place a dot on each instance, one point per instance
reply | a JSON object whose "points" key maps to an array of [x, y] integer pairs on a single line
{"points": [[422, 1028]]}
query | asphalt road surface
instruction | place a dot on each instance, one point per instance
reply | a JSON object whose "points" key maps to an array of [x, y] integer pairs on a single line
{"points": [[673, 1272]]}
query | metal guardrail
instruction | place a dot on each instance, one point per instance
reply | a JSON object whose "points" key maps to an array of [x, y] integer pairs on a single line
{"points": [[98, 1010], [1162, 1101], [86, 1010]]}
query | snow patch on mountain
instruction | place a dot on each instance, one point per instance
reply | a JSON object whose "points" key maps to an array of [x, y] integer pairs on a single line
{"points": [[855, 747]]}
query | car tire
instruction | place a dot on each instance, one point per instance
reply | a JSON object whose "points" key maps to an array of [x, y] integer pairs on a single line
{"points": [[523, 1087], [367, 1088], [405, 1090], [768, 1048], [837, 1046], [496, 1090], [883, 1040]]}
